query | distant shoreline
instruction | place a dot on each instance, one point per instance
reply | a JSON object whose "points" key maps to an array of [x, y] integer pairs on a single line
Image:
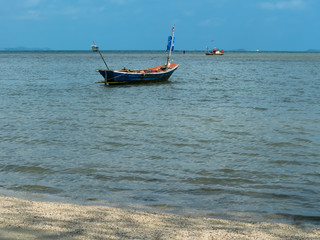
{"points": [[130, 51]]}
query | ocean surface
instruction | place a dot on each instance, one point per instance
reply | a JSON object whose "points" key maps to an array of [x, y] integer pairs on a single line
{"points": [[233, 135]]}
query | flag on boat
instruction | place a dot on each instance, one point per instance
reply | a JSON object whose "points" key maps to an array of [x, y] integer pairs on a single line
{"points": [[169, 43]]}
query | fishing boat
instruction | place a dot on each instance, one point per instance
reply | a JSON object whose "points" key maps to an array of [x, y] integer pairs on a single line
{"points": [[147, 75], [127, 76], [215, 51]]}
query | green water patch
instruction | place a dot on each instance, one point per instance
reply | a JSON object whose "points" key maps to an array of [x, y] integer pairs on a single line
{"points": [[25, 169], [35, 189]]}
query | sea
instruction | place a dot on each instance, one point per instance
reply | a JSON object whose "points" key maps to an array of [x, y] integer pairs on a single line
{"points": [[234, 136]]}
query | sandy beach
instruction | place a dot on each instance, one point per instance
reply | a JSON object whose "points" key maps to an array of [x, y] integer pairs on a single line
{"points": [[25, 219]]}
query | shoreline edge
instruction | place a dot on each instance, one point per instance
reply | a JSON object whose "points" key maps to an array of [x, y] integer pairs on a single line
{"points": [[28, 219]]}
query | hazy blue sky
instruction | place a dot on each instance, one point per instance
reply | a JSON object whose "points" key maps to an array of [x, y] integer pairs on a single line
{"points": [[291, 25]]}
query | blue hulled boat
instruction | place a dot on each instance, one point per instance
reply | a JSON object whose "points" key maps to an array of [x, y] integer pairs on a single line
{"points": [[148, 75]]}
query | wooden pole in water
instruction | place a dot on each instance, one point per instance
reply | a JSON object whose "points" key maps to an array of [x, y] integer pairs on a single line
{"points": [[101, 55], [105, 78]]}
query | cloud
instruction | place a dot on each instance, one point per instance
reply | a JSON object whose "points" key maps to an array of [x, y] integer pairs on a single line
{"points": [[69, 11], [30, 3], [43, 9], [27, 15], [189, 13], [120, 2], [210, 23], [284, 5]]}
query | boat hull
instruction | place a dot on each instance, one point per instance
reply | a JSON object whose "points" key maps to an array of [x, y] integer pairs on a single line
{"points": [[150, 75], [215, 53]]}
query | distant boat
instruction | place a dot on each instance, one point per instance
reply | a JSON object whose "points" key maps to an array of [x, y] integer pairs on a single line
{"points": [[147, 75], [94, 48], [215, 51]]}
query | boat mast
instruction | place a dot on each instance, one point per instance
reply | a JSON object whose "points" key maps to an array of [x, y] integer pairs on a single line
{"points": [[167, 65], [101, 55]]}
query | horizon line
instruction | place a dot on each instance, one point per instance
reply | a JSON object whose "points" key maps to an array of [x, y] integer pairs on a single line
{"points": [[23, 49]]}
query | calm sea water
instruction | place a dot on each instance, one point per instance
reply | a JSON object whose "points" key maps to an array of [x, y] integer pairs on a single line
{"points": [[233, 134]]}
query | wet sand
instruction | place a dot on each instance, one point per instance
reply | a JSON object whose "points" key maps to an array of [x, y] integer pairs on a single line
{"points": [[25, 219]]}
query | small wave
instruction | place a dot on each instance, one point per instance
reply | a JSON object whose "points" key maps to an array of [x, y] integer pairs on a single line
{"points": [[286, 162], [297, 219], [260, 108], [211, 180], [162, 207], [266, 195], [282, 144]]}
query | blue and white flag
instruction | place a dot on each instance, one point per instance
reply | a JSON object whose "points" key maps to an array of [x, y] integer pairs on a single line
{"points": [[169, 43]]}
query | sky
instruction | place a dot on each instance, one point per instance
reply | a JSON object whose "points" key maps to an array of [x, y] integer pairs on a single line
{"points": [[267, 25]]}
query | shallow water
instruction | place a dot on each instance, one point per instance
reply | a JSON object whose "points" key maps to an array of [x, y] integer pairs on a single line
{"points": [[234, 134]]}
